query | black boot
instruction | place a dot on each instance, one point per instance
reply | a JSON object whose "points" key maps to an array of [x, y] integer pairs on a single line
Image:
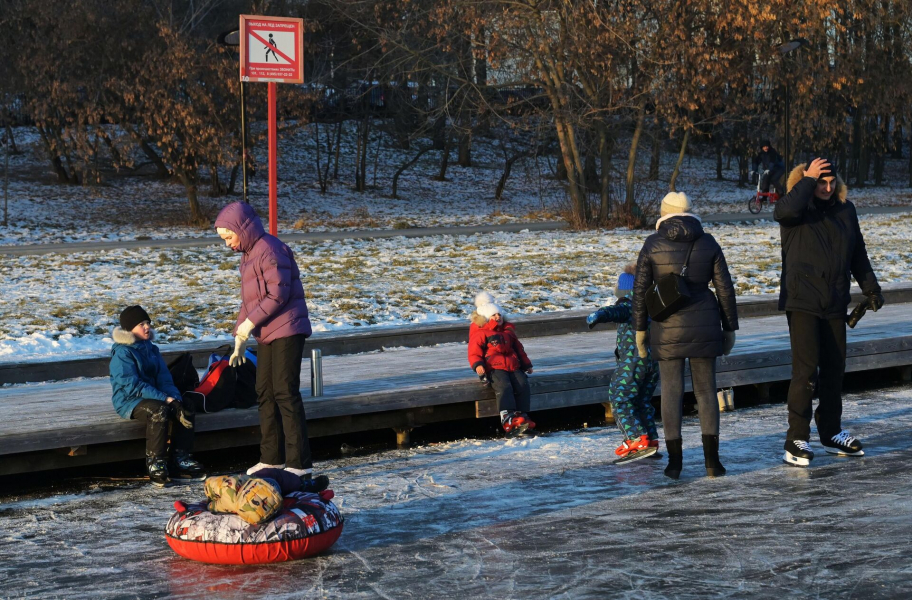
{"points": [[675, 458], [711, 456]]}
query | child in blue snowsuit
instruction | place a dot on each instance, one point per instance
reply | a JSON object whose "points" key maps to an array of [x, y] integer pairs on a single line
{"points": [[635, 378]]}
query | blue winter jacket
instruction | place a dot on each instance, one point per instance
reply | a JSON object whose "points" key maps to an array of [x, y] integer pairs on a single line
{"points": [[621, 313], [138, 372]]}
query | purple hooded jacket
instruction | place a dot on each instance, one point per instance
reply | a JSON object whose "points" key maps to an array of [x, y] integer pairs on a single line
{"points": [[272, 296]]}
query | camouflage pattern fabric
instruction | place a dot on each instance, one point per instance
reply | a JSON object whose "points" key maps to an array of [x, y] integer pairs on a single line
{"points": [[253, 499], [302, 515]]}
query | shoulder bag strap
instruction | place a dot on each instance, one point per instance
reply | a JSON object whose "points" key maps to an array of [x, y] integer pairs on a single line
{"points": [[687, 259]]}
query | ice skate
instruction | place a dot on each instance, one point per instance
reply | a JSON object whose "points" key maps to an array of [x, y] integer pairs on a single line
{"points": [[634, 449], [514, 424], [654, 443], [843, 444], [184, 466], [158, 471], [798, 453]]}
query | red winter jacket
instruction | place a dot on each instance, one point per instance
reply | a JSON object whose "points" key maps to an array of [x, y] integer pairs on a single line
{"points": [[495, 346]]}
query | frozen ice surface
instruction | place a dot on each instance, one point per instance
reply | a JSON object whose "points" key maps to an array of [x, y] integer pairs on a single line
{"points": [[544, 517]]}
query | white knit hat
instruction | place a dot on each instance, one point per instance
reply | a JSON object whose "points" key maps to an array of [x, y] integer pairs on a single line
{"points": [[482, 298], [488, 310], [676, 202], [223, 231]]}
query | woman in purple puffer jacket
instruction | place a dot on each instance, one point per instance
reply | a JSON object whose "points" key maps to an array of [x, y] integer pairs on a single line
{"points": [[274, 311]]}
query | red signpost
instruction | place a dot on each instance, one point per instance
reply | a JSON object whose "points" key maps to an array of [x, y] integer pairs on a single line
{"points": [[280, 39]]}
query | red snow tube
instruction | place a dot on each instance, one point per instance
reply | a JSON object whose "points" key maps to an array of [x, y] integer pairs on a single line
{"points": [[307, 525]]}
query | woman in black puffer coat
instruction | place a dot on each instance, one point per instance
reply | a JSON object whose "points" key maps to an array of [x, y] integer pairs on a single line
{"points": [[700, 331]]}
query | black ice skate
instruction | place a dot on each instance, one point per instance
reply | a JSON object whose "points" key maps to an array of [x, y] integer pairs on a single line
{"points": [[798, 453], [158, 471], [183, 466], [843, 444]]}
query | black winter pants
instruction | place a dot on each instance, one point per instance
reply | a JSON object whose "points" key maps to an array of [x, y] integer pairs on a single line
{"points": [[281, 409], [512, 390], [772, 178], [703, 376], [157, 415], [816, 343]]}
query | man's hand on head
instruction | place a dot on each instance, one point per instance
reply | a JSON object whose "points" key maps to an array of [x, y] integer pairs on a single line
{"points": [[818, 167]]}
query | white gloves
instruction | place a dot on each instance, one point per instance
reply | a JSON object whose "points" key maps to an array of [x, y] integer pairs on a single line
{"points": [[641, 343], [245, 328], [728, 342], [240, 343]]}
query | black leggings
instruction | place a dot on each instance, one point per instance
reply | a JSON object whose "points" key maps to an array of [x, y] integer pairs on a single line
{"points": [[157, 415], [703, 375]]}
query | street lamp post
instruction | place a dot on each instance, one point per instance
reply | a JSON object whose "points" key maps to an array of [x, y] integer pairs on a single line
{"points": [[784, 49], [233, 38]]}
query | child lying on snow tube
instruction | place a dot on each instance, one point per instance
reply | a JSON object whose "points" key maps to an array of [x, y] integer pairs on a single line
{"points": [[246, 520]]}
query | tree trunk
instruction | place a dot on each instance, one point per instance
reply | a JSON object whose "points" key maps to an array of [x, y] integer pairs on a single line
{"points": [[403, 168], [361, 156], [54, 156], [444, 159], [215, 186], [878, 168], [12, 140], [857, 141], [338, 150], [508, 167], [319, 158], [630, 200], [743, 161], [116, 157], [232, 179], [719, 162], [189, 181], [465, 150], [910, 157], [606, 146], [656, 157], [677, 169], [160, 167]]}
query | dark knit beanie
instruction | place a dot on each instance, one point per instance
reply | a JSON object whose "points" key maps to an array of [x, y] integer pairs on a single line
{"points": [[133, 316]]}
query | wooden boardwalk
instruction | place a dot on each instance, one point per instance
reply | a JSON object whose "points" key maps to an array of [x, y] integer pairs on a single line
{"points": [[54, 425]]}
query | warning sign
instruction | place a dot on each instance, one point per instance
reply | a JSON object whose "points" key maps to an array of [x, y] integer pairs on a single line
{"points": [[272, 49]]}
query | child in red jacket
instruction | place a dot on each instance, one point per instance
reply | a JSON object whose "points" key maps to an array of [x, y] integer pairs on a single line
{"points": [[496, 352]]}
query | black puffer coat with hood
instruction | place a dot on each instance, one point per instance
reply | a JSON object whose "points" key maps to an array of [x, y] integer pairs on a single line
{"points": [[695, 331], [822, 249]]}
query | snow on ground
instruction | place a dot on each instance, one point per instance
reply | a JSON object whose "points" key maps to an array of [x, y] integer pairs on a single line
{"points": [[543, 517], [66, 304], [141, 207]]}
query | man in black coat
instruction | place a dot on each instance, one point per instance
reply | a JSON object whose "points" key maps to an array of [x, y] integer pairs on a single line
{"points": [[822, 247]]}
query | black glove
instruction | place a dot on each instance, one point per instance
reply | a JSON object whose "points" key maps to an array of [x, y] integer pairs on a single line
{"points": [[484, 380], [875, 301]]}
